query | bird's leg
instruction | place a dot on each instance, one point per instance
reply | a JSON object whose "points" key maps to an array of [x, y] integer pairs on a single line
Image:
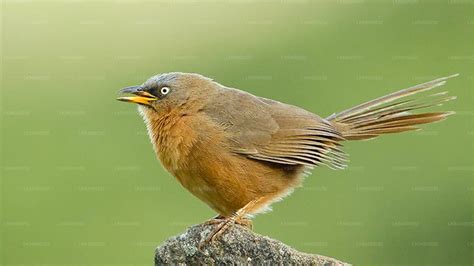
{"points": [[218, 219], [214, 220], [225, 222]]}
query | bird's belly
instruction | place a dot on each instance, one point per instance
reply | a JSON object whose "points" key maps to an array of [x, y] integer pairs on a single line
{"points": [[228, 182], [222, 192], [213, 194]]}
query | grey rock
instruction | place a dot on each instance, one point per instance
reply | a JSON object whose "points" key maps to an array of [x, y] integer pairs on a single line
{"points": [[238, 245]]}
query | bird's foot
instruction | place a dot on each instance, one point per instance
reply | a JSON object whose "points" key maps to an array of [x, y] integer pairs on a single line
{"points": [[214, 220], [223, 224], [221, 219]]}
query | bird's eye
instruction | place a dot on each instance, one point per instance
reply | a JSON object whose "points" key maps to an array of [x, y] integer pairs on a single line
{"points": [[165, 90]]}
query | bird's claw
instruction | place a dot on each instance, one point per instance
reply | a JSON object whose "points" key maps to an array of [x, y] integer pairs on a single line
{"points": [[222, 225]]}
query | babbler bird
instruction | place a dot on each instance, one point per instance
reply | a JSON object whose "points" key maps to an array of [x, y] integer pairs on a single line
{"points": [[239, 153]]}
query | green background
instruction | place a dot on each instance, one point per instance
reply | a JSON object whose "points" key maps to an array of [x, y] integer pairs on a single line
{"points": [[80, 183]]}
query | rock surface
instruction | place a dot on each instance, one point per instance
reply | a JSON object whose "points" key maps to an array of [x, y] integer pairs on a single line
{"points": [[238, 245]]}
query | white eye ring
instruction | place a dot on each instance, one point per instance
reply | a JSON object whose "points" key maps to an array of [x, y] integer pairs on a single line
{"points": [[165, 90]]}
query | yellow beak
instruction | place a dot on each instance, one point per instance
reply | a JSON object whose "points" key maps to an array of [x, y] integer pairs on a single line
{"points": [[142, 97]]}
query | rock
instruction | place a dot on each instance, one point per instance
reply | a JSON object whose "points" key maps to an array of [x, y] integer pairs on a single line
{"points": [[238, 245]]}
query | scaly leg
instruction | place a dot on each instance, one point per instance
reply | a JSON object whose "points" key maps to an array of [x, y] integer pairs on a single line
{"points": [[220, 219], [214, 220], [224, 223]]}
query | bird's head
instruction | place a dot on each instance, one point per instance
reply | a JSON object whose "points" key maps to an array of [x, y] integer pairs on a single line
{"points": [[169, 90]]}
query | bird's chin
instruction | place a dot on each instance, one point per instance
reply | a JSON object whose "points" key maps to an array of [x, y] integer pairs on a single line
{"points": [[148, 113], [144, 110]]}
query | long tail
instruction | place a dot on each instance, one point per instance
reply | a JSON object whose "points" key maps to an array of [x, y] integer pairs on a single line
{"points": [[392, 113]]}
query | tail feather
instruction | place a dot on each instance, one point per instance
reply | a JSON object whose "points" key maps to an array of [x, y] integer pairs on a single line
{"points": [[392, 113]]}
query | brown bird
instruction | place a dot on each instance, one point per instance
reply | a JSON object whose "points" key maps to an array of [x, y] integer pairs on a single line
{"points": [[239, 153]]}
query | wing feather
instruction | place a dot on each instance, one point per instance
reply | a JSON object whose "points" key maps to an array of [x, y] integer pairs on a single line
{"points": [[278, 133]]}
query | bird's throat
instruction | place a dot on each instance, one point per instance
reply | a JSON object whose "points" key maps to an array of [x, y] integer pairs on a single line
{"points": [[170, 136]]}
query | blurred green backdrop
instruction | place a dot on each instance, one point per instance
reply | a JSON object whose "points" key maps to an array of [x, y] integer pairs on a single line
{"points": [[80, 183]]}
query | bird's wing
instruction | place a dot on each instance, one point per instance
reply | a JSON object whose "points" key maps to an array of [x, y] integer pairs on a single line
{"points": [[271, 131]]}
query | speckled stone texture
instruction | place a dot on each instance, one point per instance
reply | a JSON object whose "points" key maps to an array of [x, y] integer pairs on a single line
{"points": [[238, 245]]}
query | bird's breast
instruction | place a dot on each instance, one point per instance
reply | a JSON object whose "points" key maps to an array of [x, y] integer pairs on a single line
{"points": [[173, 141], [174, 136]]}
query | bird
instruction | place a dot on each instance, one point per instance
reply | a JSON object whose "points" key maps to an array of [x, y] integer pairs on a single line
{"points": [[239, 153]]}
